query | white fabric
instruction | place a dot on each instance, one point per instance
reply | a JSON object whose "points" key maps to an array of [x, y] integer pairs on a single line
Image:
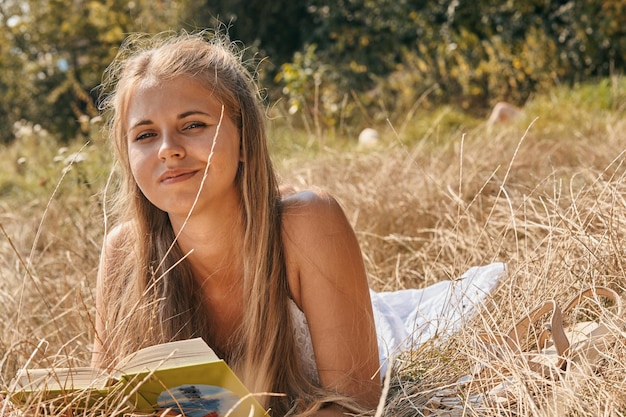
{"points": [[408, 318], [303, 341]]}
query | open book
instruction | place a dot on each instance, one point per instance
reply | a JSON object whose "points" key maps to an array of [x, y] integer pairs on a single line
{"points": [[186, 376]]}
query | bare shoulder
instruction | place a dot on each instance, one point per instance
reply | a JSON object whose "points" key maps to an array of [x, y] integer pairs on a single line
{"points": [[311, 220], [115, 240], [115, 249], [317, 237], [118, 234], [314, 211]]}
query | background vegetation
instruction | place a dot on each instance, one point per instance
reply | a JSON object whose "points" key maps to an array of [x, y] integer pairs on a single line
{"points": [[347, 63], [442, 190], [544, 194]]}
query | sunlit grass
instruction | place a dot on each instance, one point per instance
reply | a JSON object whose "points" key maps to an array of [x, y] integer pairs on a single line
{"points": [[437, 195]]}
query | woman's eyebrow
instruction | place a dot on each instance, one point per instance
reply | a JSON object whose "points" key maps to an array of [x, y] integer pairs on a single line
{"points": [[191, 113], [146, 122], [140, 123]]}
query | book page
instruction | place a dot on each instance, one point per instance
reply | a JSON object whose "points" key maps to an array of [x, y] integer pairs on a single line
{"points": [[169, 355], [61, 379]]}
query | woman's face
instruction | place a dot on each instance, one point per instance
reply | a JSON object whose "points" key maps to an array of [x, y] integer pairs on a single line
{"points": [[172, 127]]}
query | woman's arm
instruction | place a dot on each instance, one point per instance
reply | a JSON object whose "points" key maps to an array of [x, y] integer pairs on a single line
{"points": [[328, 282], [108, 260], [97, 355]]}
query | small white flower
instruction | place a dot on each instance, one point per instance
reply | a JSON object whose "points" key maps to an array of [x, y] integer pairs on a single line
{"points": [[75, 158], [24, 131]]}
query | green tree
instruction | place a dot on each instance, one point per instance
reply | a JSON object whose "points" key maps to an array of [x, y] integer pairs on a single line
{"points": [[273, 30], [55, 51], [13, 95], [468, 53]]}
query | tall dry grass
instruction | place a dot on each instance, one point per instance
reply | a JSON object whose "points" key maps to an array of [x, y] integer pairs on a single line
{"points": [[544, 194]]}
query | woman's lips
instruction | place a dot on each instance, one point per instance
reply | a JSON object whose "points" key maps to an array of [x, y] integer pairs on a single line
{"points": [[173, 176]]}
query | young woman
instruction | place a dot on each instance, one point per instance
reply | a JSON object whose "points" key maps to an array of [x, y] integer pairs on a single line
{"points": [[204, 244]]}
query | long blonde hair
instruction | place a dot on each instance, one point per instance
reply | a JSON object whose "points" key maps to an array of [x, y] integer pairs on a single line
{"points": [[151, 295]]}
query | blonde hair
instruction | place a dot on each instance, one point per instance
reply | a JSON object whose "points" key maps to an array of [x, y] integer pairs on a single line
{"points": [[141, 305]]}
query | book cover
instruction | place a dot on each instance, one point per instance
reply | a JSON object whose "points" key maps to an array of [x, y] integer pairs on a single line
{"points": [[185, 376]]}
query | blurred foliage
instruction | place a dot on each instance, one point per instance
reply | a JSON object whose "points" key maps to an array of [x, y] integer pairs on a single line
{"points": [[54, 52], [337, 66], [38, 165], [396, 53], [313, 91], [272, 29]]}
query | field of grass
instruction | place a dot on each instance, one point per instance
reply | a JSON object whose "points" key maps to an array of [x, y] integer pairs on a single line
{"points": [[444, 192]]}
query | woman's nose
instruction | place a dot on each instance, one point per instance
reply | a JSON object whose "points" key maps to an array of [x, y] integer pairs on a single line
{"points": [[171, 147]]}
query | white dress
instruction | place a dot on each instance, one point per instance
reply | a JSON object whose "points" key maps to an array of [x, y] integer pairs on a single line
{"points": [[408, 318]]}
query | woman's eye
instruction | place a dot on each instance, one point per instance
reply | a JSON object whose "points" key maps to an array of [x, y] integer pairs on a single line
{"points": [[144, 136], [194, 125]]}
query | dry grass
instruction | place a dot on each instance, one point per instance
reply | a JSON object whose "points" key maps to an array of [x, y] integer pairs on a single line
{"points": [[545, 195]]}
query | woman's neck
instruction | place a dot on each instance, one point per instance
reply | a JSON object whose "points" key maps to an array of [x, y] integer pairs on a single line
{"points": [[214, 249], [213, 246]]}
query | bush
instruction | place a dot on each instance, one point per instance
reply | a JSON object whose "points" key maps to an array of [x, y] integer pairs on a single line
{"points": [[388, 54]]}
